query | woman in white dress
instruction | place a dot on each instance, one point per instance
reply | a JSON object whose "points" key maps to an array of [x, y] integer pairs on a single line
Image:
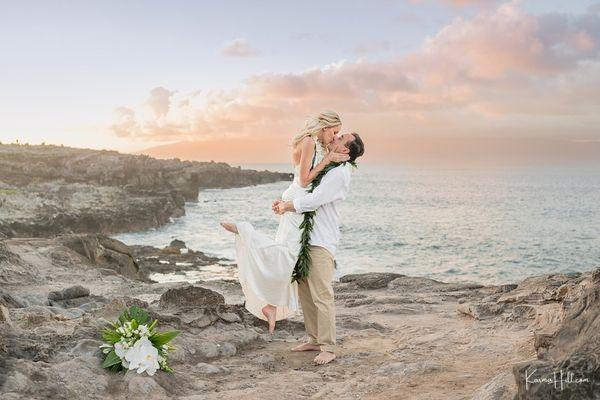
{"points": [[265, 265]]}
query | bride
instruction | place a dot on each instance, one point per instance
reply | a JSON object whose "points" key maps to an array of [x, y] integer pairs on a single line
{"points": [[265, 264]]}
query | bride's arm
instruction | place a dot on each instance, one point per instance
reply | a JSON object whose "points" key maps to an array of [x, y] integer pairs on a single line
{"points": [[333, 187], [306, 156]]}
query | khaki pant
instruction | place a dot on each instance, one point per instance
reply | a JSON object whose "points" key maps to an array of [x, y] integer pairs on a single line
{"points": [[316, 297]]}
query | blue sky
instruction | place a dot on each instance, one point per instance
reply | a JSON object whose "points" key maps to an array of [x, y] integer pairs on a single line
{"points": [[67, 65]]}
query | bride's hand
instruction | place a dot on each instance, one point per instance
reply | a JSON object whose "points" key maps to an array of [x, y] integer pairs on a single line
{"points": [[281, 208], [275, 205], [336, 157]]}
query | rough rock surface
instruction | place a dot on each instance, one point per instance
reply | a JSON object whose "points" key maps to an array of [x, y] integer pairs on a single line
{"points": [[174, 259], [569, 350], [399, 337], [103, 251], [191, 297], [48, 190]]}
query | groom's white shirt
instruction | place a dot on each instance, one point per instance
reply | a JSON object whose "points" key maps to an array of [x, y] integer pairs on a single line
{"points": [[326, 199]]}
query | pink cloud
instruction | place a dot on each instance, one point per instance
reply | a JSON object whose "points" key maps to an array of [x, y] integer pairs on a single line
{"points": [[496, 45], [125, 125], [372, 46], [160, 101], [489, 69], [239, 48], [462, 3], [469, 2]]}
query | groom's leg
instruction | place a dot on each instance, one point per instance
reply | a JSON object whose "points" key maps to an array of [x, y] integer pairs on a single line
{"points": [[308, 310], [320, 280]]}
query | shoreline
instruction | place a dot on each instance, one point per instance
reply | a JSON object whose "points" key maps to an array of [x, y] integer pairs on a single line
{"points": [[397, 334], [48, 190]]}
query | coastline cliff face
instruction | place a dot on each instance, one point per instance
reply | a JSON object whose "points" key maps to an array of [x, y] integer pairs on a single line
{"points": [[50, 190]]}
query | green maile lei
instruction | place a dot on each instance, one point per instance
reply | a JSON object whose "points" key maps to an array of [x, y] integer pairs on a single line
{"points": [[303, 263]]}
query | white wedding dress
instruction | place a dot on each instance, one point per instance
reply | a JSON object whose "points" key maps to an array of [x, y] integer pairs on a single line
{"points": [[265, 265]]}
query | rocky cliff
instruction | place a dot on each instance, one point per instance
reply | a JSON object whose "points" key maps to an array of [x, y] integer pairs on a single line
{"points": [[399, 337], [49, 190]]}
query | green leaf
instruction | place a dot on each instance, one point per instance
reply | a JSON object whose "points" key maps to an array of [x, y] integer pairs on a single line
{"points": [[152, 324], [116, 368], [110, 336], [302, 266], [139, 314], [111, 359], [166, 368], [158, 339], [124, 317]]}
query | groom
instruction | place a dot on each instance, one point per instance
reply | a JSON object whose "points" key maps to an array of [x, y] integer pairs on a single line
{"points": [[316, 290]]}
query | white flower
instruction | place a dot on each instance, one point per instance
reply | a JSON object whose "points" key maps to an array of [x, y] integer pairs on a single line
{"points": [[143, 356], [120, 350], [106, 348], [143, 330]]}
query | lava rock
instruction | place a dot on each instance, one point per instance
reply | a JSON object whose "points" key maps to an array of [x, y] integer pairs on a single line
{"points": [[179, 244], [371, 280], [71, 292], [190, 297]]}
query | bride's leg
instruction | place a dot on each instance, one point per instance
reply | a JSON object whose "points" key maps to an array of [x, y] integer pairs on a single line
{"points": [[270, 313], [230, 227]]}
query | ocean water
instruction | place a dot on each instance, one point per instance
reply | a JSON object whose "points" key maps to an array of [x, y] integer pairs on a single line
{"points": [[489, 225]]}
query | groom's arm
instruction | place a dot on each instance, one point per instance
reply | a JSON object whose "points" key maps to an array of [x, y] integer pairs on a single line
{"points": [[333, 187]]}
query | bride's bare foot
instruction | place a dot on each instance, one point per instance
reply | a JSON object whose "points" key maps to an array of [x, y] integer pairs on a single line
{"points": [[307, 347], [324, 357], [230, 227], [270, 312]]}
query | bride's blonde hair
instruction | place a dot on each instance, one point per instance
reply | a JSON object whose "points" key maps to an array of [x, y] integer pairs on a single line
{"points": [[314, 124]]}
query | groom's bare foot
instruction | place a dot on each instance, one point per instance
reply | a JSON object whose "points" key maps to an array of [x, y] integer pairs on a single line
{"points": [[324, 357], [307, 347], [230, 227], [270, 313]]}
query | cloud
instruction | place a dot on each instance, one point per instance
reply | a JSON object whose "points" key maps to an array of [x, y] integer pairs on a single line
{"points": [[507, 42], [159, 101], [239, 48], [503, 69], [463, 3], [373, 46], [594, 8], [125, 125]]}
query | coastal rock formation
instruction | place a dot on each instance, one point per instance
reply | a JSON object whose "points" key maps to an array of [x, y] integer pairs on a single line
{"points": [[50, 190], [398, 336], [176, 258], [563, 312], [568, 352], [191, 297], [103, 251]]}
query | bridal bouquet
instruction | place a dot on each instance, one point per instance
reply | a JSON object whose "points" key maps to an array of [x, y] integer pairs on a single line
{"points": [[132, 343]]}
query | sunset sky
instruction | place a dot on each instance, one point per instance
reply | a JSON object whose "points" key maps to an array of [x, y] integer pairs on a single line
{"points": [[234, 80]]}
